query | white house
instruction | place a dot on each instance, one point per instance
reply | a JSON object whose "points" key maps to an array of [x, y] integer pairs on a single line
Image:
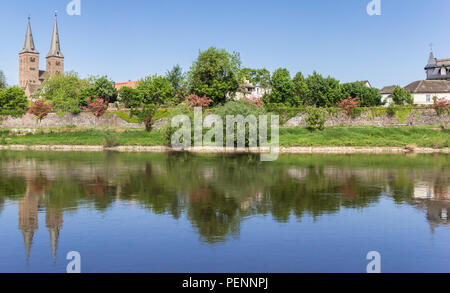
{"points": [[423, 91], [248, 90]]}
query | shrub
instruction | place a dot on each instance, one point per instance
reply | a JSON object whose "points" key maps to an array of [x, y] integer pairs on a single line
{"points": [[98, 107], [13, 101], [145, 115], [196, 101], [40, 109], [441, 106], [110, 140], [391, 110], [348, 105], [316, 119], [254, 100], [241, 107]]}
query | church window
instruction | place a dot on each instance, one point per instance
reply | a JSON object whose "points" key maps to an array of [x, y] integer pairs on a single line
{"points": [[428, 98]]}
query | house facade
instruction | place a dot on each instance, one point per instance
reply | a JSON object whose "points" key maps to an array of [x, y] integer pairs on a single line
{"points": [[424, 91], [250, 91]]}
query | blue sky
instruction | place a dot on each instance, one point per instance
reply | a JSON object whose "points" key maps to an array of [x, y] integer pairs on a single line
{"points": [[127, 40]]}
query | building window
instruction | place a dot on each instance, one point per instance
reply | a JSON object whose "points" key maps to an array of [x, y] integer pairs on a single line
{"points": [[58, 63], [428, 98], [32, 59]]}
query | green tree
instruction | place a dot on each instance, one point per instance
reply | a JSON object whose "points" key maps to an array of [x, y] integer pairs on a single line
{"points": [[301, 90], [367, 96], [146, 115], [63, 91], [86, 93], [283, 89], [104, 89], [130, 97], [258, 77], [2, 80], [402, 97], [176, 77], [215, 74], [324, 92], [13, 100], [155, 90]]}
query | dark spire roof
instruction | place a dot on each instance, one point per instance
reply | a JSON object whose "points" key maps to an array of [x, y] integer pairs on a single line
{"points": [[55, 49], [28, 47], [431, 60]]}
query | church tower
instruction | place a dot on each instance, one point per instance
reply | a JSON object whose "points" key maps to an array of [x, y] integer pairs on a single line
{"points": [[55, 58], [29, 61]]}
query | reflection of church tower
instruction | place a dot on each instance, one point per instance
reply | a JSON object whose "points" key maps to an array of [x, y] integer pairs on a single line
{"points": [[54, 220], [28, 218]]}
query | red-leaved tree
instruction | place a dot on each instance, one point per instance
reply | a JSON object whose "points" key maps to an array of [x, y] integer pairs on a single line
{"points": [[97, 107], [40, 109], [254, 100], [348, 105], [196, 101]]}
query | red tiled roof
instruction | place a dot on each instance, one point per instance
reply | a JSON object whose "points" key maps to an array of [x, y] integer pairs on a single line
{"points": [[120, 85]]}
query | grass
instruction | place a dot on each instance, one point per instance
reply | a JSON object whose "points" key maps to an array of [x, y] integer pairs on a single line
{"points": [[366, 136], [289, 137]]}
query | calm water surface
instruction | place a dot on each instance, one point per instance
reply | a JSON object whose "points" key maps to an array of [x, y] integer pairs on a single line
{"points": [[195, 213]]}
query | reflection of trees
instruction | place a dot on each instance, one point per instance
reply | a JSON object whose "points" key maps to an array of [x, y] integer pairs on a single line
{"points": [[216, 193]]}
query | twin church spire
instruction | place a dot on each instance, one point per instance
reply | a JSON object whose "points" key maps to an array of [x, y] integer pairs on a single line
{"points": [[30, 75], [55, 47]]}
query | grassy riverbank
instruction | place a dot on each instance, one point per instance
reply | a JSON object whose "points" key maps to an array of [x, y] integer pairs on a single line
{"points": [[289, 137]]}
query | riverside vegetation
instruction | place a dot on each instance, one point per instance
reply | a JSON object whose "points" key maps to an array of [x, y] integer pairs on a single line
{"points": [[212, 82]]}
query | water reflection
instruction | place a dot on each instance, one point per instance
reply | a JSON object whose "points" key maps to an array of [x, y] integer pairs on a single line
{"points": [[216, 193]]}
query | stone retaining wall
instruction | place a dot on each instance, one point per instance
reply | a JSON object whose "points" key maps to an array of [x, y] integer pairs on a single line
{"points": [[417, 117], [83, 119]]}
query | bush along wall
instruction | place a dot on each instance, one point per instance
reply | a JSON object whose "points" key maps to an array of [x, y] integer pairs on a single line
{"points": [[373, 116]]}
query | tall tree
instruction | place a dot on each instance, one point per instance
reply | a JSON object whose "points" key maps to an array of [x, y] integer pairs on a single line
{"points": [[215, 74], [367, 96], [283, 90], [155, 90], [176, 77], [323, 91], [301, 90], [63, 91], [402, 97], [258, 77], [2, 80], [104, 89]]}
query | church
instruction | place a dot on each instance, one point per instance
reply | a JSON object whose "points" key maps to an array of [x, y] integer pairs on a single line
{"points": [[30, 75], [437, 69]]}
